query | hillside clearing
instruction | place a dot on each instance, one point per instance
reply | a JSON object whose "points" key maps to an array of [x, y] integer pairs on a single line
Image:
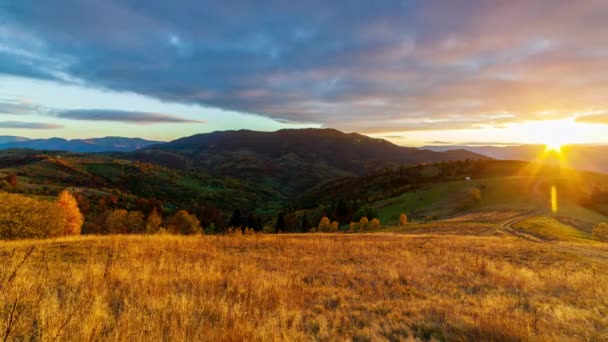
{"points": [[303, 287]]}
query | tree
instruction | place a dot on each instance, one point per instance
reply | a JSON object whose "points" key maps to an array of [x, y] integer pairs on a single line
{"points": [[353, 226], [304, 224], [12, 180], [324, 225], [601, 231], [280, 224], [184, 223], [363, 223], [335, 225], [116, 222], [135, 222], [375, 223], [236, 220], [74, 218], [153, 221], [23, 217], [402, 220]]}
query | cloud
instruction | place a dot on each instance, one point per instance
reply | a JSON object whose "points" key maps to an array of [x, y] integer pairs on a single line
{"points": [[18, 107], [28, 125], [346, 64], [122, 116], [594, 119]]}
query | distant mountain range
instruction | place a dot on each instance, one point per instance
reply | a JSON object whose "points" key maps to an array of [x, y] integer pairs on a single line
{"points": [[582, 157], [107, 144]]}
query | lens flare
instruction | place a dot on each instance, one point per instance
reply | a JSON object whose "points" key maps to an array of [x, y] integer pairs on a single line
{"points": [[554, 204]]}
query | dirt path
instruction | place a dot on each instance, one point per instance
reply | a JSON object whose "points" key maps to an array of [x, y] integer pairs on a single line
{"points": [[507, 227]]}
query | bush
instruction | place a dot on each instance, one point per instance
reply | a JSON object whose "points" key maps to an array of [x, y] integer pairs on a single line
{"points": [[23, 217], [375, 223], [334, 226], [601, 232]]}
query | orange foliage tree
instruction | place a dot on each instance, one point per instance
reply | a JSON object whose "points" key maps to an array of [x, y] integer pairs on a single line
{"points": [[402, 220], [74, 218]]}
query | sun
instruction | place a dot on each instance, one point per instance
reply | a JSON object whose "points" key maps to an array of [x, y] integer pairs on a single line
{"points": [[555, 134], [553, 146]]}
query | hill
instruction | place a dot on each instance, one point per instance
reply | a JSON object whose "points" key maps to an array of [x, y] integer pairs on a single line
{"points": [[582, 157], [107, 144], [291, 160]]}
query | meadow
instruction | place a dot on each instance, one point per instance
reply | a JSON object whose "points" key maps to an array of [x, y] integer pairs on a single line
{"points": [[300, 287]]}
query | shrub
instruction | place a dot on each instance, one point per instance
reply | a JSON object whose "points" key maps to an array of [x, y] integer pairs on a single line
{"points": [[23, 217], [353, 226], [601, 231], [334, 226], [74, 218], [402, 220], [363, 223], [375, 223]]}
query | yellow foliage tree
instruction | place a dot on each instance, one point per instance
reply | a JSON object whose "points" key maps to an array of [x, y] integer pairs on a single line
{"points": [[74, 218], [153, 221], [363, 223], [23, 217], [353, 226], [375, 223], [324, 225], [334, 226], [402, 220]]}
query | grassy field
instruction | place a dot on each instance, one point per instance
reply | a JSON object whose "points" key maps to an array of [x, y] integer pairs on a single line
{"points": [[303, 287]]}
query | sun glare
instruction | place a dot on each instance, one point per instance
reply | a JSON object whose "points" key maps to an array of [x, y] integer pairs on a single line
{"points": [[558, 133]]}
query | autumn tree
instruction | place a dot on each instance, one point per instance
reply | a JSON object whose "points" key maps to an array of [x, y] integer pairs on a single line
{"points": [[601, 231], [324, 225], [375, 223], [153, 221], [116, 221], [12, 180], [74, 218], [353, 226], [23, 217], [335, 225], [402, 220], [363, 223], [184, 223]]}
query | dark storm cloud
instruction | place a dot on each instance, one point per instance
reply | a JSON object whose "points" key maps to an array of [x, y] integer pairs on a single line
{"points": [[28, 125], [369, 66], [122, 116]]}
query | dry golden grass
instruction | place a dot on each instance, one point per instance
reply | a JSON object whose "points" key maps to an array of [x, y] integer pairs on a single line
{"points": [[302, 287]]}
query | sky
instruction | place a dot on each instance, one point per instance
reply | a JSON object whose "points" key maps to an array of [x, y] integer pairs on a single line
{"points": [[413, 72]]}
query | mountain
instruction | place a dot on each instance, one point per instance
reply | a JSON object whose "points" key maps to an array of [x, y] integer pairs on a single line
{"points": [[107, 144], [289, 160], [582, 157], [11, 138]]}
